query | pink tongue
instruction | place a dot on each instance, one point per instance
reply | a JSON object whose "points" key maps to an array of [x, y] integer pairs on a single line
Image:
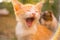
{"points": [[29, 23]]}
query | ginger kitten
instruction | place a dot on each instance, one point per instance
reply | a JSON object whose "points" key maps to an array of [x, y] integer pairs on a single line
{"points": [[28, 26]]}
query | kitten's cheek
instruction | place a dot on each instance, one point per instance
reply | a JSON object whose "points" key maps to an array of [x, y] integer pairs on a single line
{"points": [[37, 15]]}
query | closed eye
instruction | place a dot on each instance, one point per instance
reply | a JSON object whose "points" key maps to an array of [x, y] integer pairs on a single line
{"points": [[36, 11]]}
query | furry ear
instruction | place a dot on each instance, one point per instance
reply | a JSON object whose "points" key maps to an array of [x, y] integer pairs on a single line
{"points": [[40, 5], [17, 5]]}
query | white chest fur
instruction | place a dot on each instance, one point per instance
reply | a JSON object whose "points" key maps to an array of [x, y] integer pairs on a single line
{"points": [[24, 34]]}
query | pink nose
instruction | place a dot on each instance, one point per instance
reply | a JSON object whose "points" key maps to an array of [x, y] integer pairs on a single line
{"points": [[33, 14]]}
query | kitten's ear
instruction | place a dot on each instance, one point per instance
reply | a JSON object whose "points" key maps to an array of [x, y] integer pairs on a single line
{"points": [[17, 5], [40, 5]]}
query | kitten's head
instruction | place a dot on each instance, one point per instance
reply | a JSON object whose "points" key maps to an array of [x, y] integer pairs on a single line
{"points": [[47, 15], [28, 13]]}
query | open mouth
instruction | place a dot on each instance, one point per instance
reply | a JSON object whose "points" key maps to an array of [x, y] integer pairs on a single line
{"points": [[29, 21]]}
